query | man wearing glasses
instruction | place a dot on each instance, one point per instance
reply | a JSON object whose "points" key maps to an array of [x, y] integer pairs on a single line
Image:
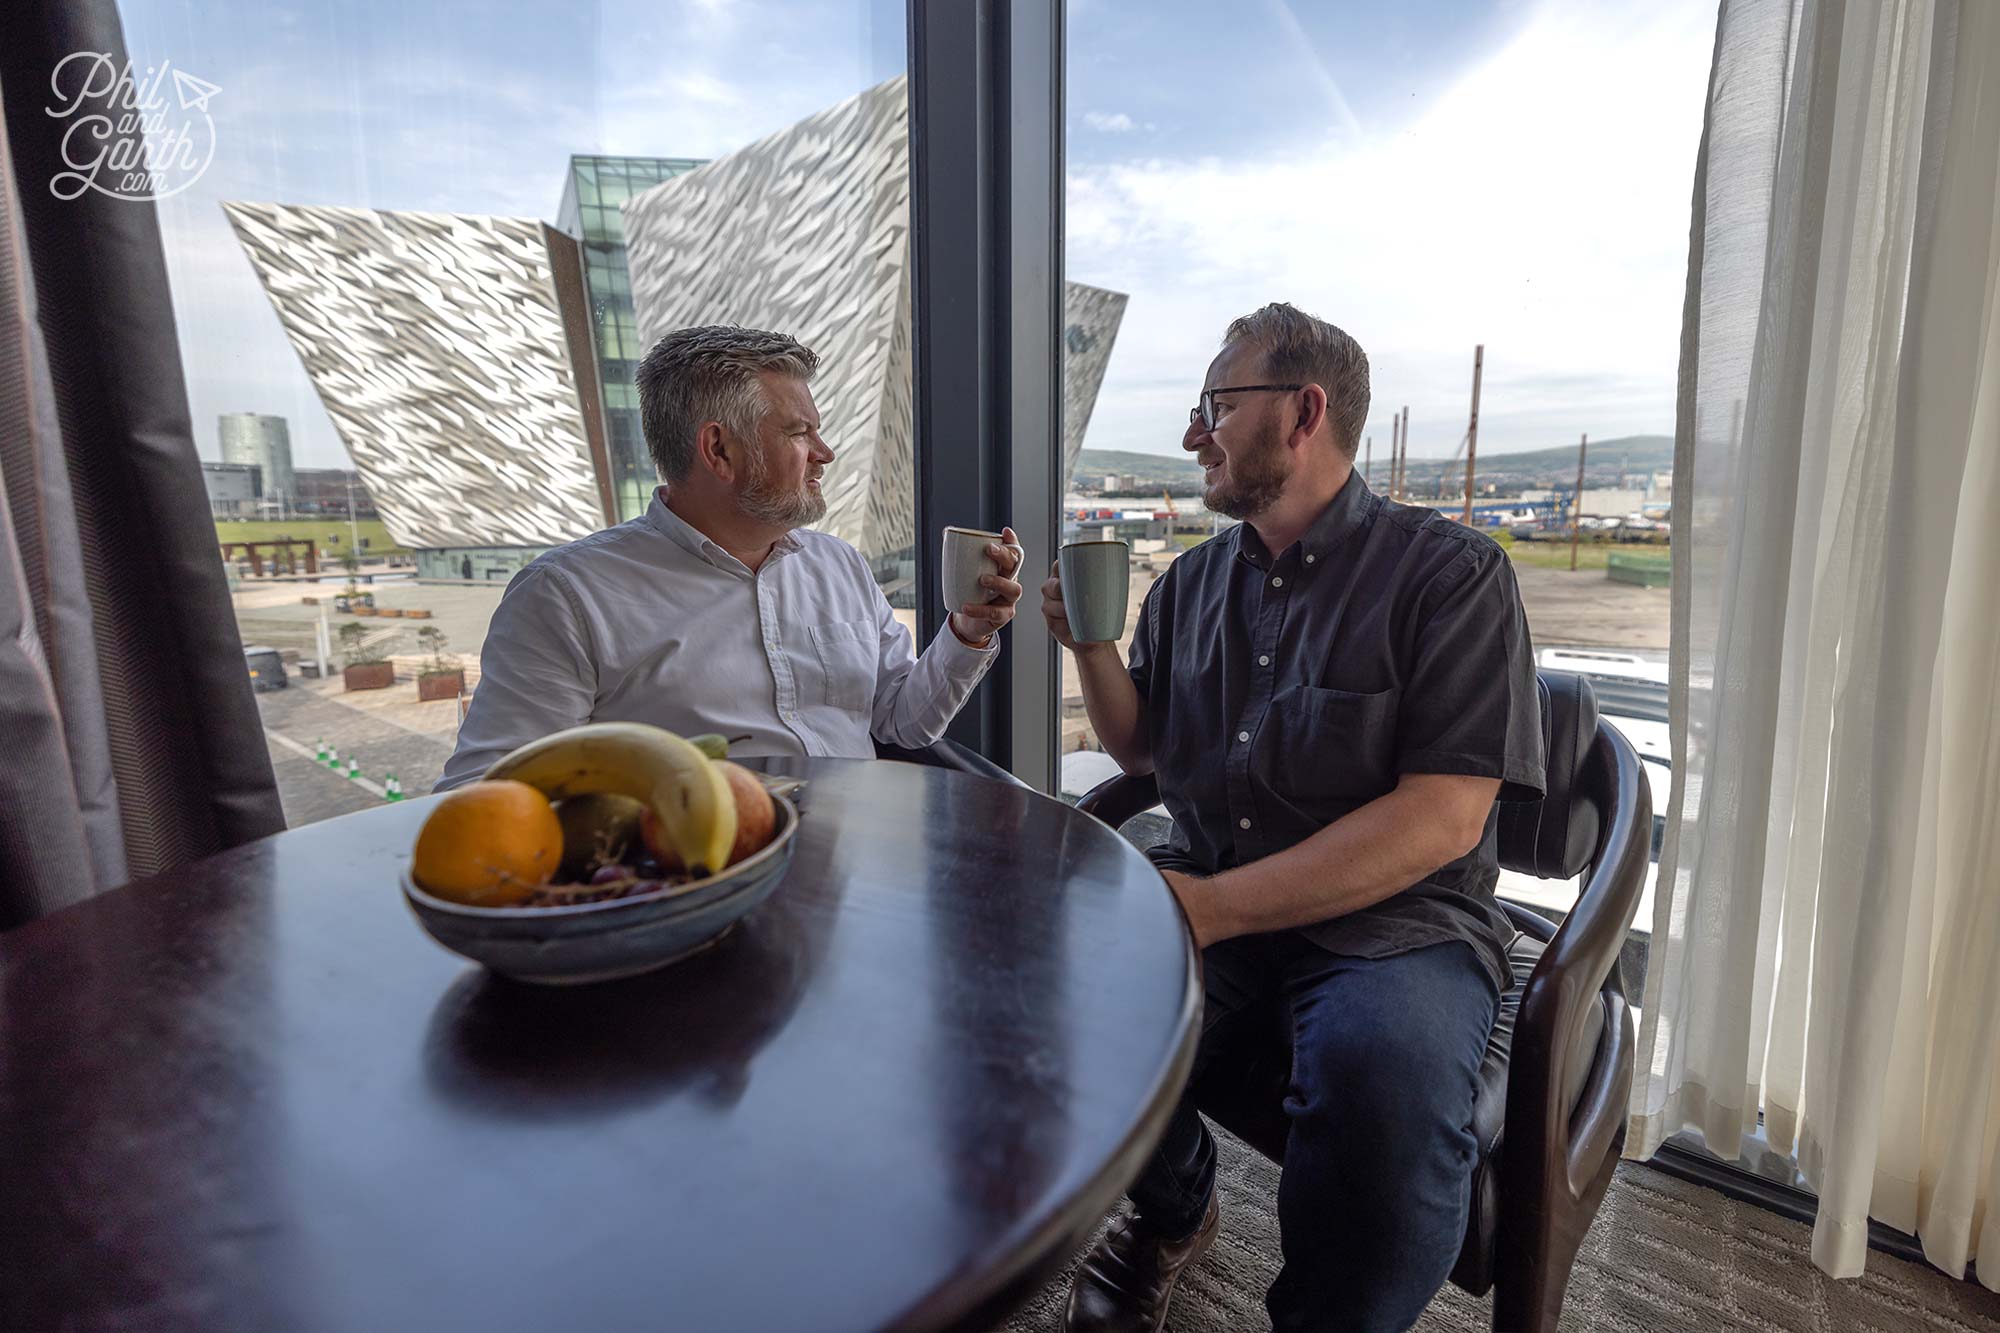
{"points": [[1332, 695]]}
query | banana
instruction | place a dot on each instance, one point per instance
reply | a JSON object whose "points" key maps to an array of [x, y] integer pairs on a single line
{"points": [[688, 794]]}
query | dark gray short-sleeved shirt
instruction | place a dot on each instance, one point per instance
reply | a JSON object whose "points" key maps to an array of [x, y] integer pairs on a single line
{"points": [[1283, 692]]}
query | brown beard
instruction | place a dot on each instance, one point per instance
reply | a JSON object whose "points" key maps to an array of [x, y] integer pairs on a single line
{"points": [[1256, 480], [767, 504]]}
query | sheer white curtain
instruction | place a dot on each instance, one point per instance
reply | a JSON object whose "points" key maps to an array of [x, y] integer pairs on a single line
{"points": [[1826, 941]]}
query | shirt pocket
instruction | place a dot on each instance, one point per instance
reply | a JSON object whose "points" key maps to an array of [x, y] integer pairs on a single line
{"points": [[847, 662], [1333, 744]]}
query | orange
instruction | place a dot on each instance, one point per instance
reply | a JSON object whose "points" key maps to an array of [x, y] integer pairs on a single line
{"points": [[488, 844]]}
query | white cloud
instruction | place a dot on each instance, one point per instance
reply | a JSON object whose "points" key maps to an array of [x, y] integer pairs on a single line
{"points": [[1118, 123], [1540, 205]]}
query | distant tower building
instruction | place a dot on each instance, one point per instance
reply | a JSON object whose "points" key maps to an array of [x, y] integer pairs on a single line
{"points": [[266, 443]]}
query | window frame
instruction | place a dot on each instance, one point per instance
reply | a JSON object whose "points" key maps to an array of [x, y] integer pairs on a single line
{"points": [[986, 242]]}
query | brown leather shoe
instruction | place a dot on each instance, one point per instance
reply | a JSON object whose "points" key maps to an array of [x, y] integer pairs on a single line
{"points": [[1125, 1282]]}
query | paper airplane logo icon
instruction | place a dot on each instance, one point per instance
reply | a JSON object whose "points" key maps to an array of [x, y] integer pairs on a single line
{"points": [[194, 93]]}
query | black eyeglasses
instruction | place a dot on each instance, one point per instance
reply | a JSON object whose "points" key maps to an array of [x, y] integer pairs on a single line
{"points": [[1205, 414]]}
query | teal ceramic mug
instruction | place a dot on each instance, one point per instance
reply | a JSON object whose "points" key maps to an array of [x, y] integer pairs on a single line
{"points": [[1096, 582]]}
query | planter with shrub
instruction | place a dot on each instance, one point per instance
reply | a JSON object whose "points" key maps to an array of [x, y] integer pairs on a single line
{"points": [[442, 678], [362, 669]]}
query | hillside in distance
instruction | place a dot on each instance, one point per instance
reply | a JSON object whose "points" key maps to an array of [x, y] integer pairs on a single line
{"points": [[1607, 462], [1151, 471], [1530, 468]]}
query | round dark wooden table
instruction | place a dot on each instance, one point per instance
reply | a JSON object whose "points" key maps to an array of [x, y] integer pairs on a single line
{"points": [[252, 1094]]}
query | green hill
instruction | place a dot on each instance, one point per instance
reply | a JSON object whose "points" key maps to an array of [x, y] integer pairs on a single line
{"points": [[1633, 453], [1525, 468], [1150, 470]]}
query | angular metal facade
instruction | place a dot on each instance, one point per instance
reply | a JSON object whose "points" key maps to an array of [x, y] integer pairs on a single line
{"points": [[1091, 316], [437, 343], [808, 232]]}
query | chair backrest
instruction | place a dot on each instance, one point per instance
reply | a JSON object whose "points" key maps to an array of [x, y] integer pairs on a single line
{"points": [[1555, 837]]}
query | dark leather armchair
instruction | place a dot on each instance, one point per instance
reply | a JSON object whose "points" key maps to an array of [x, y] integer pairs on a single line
{"points": [[1550, 1111]]}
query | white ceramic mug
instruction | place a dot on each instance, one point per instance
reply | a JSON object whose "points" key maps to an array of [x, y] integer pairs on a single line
{"points": [[965, 560]]}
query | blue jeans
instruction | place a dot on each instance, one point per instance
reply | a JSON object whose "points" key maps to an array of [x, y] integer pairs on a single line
{"points": [[1378, 1169]]}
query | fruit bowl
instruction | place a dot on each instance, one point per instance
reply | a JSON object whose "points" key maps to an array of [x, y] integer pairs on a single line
{"points": [[618, 937]]}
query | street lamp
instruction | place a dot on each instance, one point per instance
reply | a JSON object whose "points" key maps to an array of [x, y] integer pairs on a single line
{"points": [[353, 532]]}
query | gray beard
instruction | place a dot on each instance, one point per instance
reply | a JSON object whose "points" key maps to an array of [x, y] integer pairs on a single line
{"points": [[799, 509], [765, 503]]}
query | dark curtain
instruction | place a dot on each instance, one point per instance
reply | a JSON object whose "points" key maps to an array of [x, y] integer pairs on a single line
{"points": [[129, 738]]}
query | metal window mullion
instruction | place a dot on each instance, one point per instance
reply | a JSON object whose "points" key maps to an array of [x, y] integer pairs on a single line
{"points": [[985, 192], [1033, 465]]}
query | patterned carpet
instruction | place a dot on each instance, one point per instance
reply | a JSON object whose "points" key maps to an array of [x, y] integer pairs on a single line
{"points": [[1663, 1255]]}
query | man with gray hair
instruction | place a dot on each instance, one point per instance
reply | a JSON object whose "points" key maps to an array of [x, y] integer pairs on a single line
{"points": [[717, 610], [1331, 694]]}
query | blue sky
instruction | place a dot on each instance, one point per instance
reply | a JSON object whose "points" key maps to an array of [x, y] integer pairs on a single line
{"points": [[1426, 175]]}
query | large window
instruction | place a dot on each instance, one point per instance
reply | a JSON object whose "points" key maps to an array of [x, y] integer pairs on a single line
{"points": [[1434, 180], [413, 283]]}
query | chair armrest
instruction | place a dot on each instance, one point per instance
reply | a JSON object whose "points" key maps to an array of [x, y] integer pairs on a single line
{"points": [[1587, 944], [1117, 799], [948, 754], [1550, 1153]]}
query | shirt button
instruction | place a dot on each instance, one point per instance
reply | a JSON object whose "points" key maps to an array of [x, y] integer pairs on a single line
{"points": [[1242, 735], [1264, 660], [1277, 583], [1309, 560], [1243, 823]]}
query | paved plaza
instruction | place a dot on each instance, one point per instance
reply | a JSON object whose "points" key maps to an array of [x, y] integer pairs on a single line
{"points": [[1588, 610], [384, 731], [388, 731]]}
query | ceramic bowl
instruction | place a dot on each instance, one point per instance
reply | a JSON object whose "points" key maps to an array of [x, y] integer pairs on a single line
{"points": [[620, 937]]}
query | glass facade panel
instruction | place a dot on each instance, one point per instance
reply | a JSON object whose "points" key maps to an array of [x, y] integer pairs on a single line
{"points": [[608, 183]]}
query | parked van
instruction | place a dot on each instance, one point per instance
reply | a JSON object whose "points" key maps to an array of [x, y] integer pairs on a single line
{"points": [[267, 668]]}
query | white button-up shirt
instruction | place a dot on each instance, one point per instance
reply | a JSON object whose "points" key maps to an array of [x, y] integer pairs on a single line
{"points": [[651, 621]]}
